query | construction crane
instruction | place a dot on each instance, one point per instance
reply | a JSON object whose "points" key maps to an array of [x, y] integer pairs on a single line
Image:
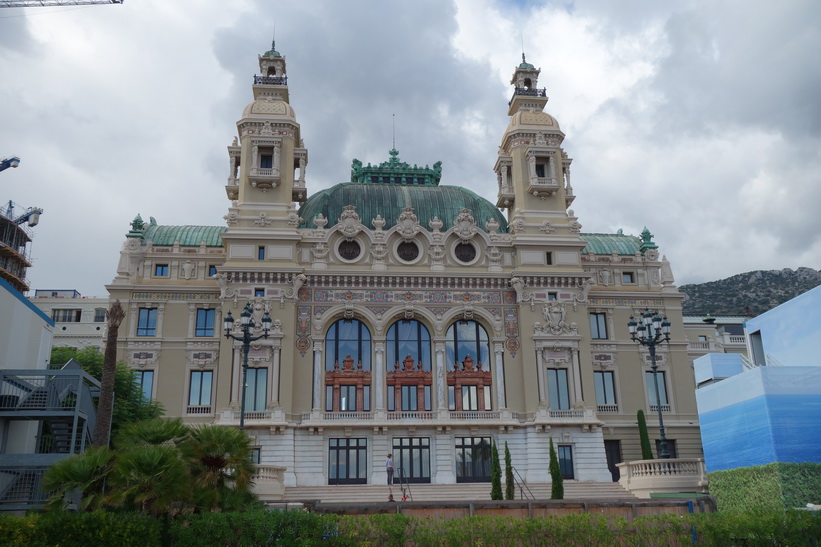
{"points": [[53, 3], [13, 161]]}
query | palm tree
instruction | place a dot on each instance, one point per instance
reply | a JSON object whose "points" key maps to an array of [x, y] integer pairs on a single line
{"points": [[220, 460], [153, 478], [157, 431], [114, 316], [85, 473]]}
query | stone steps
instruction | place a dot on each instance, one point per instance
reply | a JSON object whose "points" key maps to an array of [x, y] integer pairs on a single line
{"points": [[447, 492]]}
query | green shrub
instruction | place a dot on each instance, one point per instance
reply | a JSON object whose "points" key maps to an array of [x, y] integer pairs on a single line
{"points": [[774, 486]]}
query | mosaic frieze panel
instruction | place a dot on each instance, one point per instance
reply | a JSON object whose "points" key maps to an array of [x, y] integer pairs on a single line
{"points": [[631, 302], [175, 296], [420, 297], [511, 316]]}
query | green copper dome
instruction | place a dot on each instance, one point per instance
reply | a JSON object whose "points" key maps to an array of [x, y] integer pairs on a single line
{"points": [[388, 200], [273, 51], [387, 188], [188, 236], [606, 244]]}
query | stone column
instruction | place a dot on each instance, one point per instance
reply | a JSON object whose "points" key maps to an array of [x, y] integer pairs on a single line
{"points": [[275, 380], [236, 374], [541, 378], [317, 376], [577, 375], [379, 376], [441, 377], [498, 351]]}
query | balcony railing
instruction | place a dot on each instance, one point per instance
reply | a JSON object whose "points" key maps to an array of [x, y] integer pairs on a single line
{"points": [[410, 415], [655, 408], [607, 408], [198, 409], [644, 477], [270, 80]]}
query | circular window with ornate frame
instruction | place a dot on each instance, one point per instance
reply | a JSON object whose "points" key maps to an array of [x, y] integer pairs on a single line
{"points": [[349, 250], [465, 252], [407, 251]]}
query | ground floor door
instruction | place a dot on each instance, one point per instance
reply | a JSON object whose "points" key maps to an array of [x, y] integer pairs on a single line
{"points": [[472, 459], [411, 457], [347, 461], [612, 449]]}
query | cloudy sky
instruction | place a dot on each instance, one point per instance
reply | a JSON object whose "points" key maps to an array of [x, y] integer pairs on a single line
{"points": [[698, 119]]}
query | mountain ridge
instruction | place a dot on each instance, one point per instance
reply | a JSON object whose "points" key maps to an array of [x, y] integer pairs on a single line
{"points": [[748, 294]]}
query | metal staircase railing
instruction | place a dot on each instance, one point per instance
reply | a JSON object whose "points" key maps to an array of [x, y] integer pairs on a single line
{"points": [[520, 482], [404, 485]]}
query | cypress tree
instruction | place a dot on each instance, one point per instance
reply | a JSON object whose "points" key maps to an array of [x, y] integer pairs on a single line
{"points": [[557, 484], [646, 451], [510, 487], [495, 474]]}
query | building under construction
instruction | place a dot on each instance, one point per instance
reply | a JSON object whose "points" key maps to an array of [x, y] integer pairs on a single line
{"points": [[15, 248]]}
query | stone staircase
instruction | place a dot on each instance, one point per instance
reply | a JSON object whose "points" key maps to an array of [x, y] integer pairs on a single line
{"points": [[365, 493]]}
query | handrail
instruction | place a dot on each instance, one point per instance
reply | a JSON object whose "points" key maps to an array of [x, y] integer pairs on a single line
{"points": [[403, 483], [522, 485]]}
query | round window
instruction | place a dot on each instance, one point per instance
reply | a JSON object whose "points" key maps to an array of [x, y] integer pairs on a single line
{"points": [[349, 250], [407, 251], [465, 252]]}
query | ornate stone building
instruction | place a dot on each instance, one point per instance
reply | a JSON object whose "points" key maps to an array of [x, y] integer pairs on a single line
{"points": [[409, 316]]}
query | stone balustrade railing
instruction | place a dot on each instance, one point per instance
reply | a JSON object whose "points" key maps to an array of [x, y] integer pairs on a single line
{"points": [[674, 475]]}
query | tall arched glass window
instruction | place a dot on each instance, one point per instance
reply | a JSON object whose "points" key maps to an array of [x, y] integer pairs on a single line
{"points": [[467, 338], [348, 337], [408, 338]]}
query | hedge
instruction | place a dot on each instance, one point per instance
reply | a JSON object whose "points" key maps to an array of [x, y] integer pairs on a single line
{"points": [[775, 486], [303, 528]]}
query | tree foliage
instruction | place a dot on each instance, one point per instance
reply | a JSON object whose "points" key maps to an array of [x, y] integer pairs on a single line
{"points": [[161, 467], [495, 473], [646, 450], [556, 480], [130, 405], [510, 486]]}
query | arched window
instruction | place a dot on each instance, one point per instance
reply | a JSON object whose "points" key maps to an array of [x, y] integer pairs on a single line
{"points": [[348, 367], [467, 338], [409, 377], [348, 337], [408, 338], [469, 379]]}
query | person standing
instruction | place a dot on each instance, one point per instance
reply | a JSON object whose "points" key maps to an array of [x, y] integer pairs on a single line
{"points": [[389, 468]]}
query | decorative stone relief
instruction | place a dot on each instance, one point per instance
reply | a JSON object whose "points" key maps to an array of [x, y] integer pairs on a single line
{"points": [[547, 228], [296, 283], [263, 220], [225, 290], [320, 221], [585, 286], [231, 218], [293, 217], [349, 222], [407, 225], [554, 314], [465, 226]]}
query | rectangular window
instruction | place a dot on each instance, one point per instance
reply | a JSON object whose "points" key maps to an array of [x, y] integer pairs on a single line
{"points": [[329, 398], [557, 389], [565, 453], [347, 397], [260, 253], [598, 326], [628, 277], [199, 393], [266, 161], [470, 400], [205, 322], [552, 296], [259, 292], [147, 322], [671, 447], [651, 391], [161, 270], [256, 455], [409, 401], [99, 315], [605, 388], [66, 316], [540, 170], [212, 271], [145, 379], [549, 258], [256, 389]]}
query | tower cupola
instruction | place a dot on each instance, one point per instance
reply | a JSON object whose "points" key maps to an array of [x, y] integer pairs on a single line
{"points": [[526, 94]]}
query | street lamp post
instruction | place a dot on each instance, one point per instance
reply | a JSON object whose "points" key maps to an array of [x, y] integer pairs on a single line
{"points": [[650, 331], [247, 328]]}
